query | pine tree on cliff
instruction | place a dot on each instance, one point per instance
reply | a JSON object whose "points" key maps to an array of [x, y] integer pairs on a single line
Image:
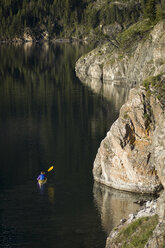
{"points": [[150, 10], [159, 13]]}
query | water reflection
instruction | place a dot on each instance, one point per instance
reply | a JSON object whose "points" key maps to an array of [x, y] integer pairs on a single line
{"points": [[51, 194], [47, 115], [40, 100], [110, 91], [116, 93], [27, 46], [114, 205]]}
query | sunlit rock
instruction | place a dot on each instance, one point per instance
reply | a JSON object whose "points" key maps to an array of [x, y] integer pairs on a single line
{"points": [[108, 63], [28, 35], [125, 157]]}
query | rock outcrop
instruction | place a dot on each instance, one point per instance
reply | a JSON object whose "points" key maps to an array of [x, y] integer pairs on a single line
{"points": [[132, 155], [125, 157], [157, 239], [28, 35], [119, 67], [147, 212], [149, 209]]}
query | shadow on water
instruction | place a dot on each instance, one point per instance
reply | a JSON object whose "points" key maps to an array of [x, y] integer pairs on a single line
{"points": [[47, 117]]}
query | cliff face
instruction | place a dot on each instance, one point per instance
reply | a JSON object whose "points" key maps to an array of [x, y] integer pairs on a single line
{"points": [[120, 67], [127, 155], [131, 156]]}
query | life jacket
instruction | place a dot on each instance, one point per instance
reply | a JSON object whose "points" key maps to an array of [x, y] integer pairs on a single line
{"points": [[42, 176]]}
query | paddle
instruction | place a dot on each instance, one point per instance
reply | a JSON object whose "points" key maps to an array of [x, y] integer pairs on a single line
{"points": [[51, 168]]}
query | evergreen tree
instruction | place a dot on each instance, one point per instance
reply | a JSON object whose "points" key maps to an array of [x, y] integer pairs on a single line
{"points": [[159, 13], [150, 10], [63, 15]]}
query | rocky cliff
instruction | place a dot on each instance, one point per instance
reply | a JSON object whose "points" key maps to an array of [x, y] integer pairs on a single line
{"points": [[120, 64], [126, 157], [132, 155]]}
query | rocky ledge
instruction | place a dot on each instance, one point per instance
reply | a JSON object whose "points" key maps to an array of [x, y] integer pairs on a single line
{"points": [[135, 231], [132, 158], [28, 36], [126, 65], [132, 155], [146, 228]]}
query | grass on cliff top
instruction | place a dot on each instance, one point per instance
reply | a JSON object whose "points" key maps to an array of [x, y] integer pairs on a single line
{"points": [[156, 85], [137, 233], [131, 36]]}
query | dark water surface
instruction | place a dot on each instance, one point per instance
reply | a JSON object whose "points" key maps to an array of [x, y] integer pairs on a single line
{"points": [[47, 117]]}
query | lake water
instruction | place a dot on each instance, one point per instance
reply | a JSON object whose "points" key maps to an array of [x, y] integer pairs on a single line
{"points": [[48, 117]]}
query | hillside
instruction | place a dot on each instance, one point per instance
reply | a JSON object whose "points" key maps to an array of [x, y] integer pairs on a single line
{"points": [[52, 19]]}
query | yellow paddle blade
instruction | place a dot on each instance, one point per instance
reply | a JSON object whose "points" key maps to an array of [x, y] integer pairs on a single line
{"points": [[51, 168]]}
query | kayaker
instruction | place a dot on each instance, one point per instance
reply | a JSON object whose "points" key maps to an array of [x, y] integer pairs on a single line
{"points": [[42, 176]]}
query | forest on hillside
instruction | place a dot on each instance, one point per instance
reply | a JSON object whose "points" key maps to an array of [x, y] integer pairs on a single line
{"points": [[64, 18]]}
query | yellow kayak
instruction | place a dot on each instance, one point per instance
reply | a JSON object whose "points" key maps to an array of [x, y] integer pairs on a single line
{"points": [[41, 182]]}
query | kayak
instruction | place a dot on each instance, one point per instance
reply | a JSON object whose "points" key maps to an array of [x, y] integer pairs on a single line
{"points": [[41, 182]]}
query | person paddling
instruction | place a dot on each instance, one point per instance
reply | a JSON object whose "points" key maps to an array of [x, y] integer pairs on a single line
{"points": [[42, 176], [42, 179]]}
